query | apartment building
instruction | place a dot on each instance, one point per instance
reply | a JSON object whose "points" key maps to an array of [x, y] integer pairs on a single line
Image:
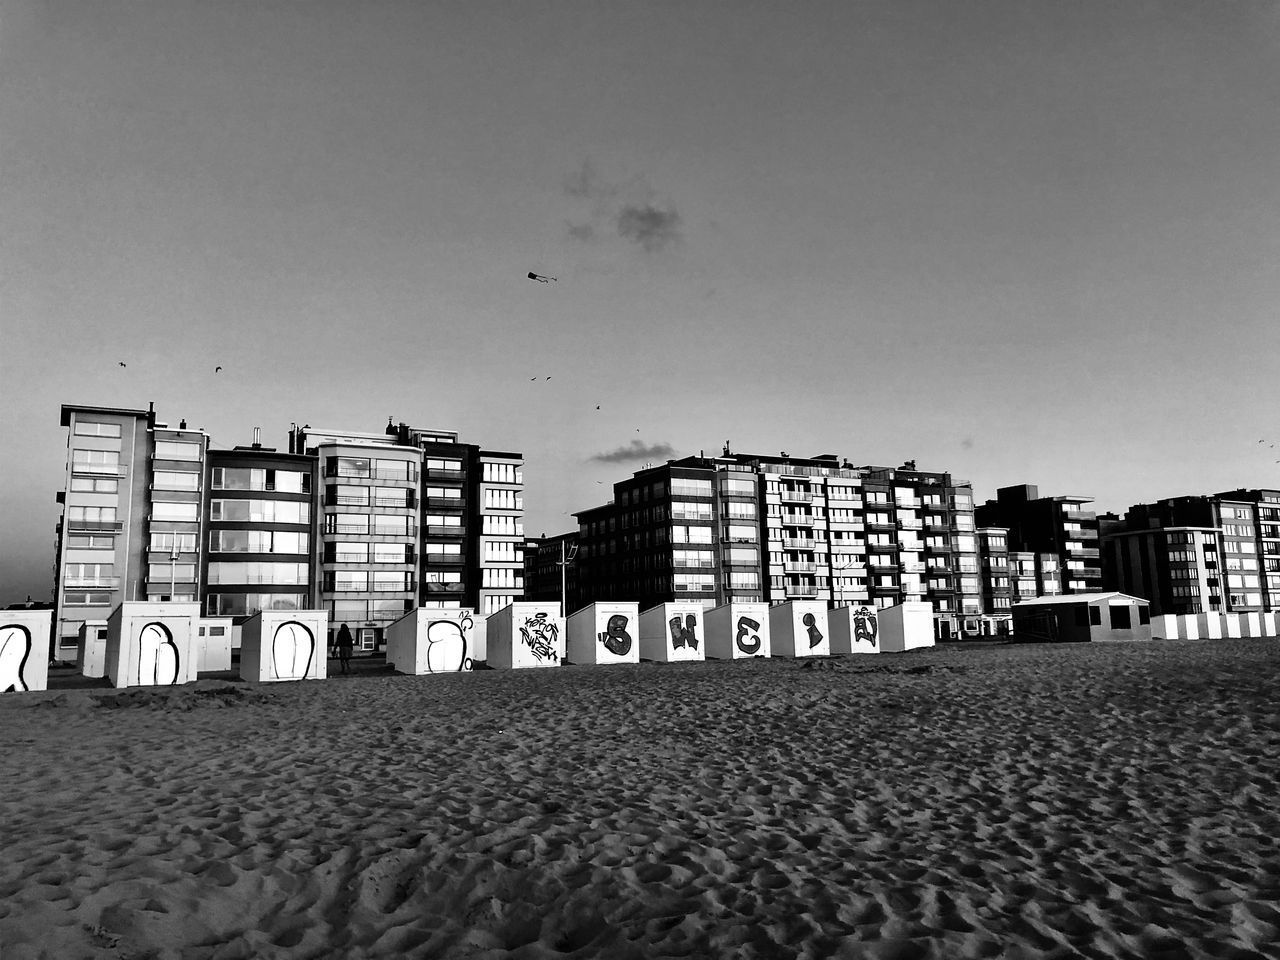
{"points": [[132, 515], [551, 570], [259, 551], [1058, 525], [1197, 554], [773, 528]]}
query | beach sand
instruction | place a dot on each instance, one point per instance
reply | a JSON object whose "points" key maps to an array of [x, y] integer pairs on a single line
{"points": [[1005, 801]]}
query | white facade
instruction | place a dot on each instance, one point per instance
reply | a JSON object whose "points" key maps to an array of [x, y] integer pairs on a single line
{"points": [[24, 650], [429, 640], [284, 645], [738, 630], [854, 629], [525, 634], [799, 628], [213, 652], [674, 630], [906, 626], [152, 643], [604, 633]]}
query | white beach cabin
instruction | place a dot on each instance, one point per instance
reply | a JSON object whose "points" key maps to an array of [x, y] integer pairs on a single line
{"points": [[738, 630], [604, 632]]}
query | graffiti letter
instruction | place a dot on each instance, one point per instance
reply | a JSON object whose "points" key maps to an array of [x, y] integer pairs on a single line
{"points": [[157, 656], [615, 638], [865, 626], [684, 636], [15, 647], [447, 645], [292, 648], [748, 627], [539, 635], [815, 635]]}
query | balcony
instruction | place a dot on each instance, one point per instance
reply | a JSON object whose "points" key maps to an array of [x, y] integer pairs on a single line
{"points": [[448, 531], [402, 502], [98, 470], [795, 496], [432, 587], [102, 583], [797, 543], [439, 473], [347, 501], [443, 559], [799, 566], [936, 523], [797, 519], [936, 564], [446, 503], [910, 524], [693, 564], [801, 589], [911, 566], [98, 525], [909, 503]]}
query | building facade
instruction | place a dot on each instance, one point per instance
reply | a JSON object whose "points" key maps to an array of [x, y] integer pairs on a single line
{"points": [[1059, 525]]}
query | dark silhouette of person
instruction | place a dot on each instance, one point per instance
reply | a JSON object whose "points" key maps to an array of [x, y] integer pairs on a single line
{"points": [[345, 645]]}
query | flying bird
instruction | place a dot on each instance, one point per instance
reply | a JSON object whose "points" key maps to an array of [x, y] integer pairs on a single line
{"points": [[540, 278], [122, 363], [217, 369], [597, 406]]}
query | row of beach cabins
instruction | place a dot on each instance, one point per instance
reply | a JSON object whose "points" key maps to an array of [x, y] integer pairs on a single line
{"points": [[147, 643]]}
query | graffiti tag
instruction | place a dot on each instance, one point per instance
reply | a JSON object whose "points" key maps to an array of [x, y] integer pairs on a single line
{"points": [[865, 626], [540, 634], [615, 638], [811, 624], [686, 635], [748, 638]]}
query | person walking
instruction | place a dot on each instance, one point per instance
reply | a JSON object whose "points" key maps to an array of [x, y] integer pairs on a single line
{"points": [[345, 646]]}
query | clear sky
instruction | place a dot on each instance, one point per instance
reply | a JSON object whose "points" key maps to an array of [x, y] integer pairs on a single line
{"points": [[1025, 241]]}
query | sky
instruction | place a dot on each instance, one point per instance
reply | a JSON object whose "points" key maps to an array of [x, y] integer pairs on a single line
{"points": [[1022, 242]]}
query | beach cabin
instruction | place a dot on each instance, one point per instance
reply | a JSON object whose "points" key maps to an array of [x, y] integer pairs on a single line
{"points": [[604, 633], [675, 630], [284, 645], [91, 649], [213, 644], [738, 629], [854, 629], [152, 643], [906, 626], [1081, 617], [525, 633], [799, 628], [24, 650], [428, 640]]}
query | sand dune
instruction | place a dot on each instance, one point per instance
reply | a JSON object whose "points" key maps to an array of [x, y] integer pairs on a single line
{"points": [[1084, 800]]}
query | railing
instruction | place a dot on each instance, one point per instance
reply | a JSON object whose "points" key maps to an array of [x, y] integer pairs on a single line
{"points": [[443, 559], [347, 528], [801, 590], [910, 524], [434, 587], [912, 566], [456, 503], [406, 503], [99, 469], [936, 523], [440, 473], [909, 503], [349, 501], [799, 566], [797, 519], [935, 564], [94, 525], [348, 558], [797, 543], [796, 496], [448, 531], [882, 525], [109, 583], [693, 564], [690, 515]]}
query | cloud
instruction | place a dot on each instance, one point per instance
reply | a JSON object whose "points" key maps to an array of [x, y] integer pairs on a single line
{"points": [[635, 450], [649, 226], [581, 231], [586, 182], [967, 443]]}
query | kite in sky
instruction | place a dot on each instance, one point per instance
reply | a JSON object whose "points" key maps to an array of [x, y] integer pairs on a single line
{"points": [[540, 278]]}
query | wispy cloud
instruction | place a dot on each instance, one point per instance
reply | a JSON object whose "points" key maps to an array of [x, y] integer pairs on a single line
{"points": [[649, 226], [581, 231], [635, 450]]}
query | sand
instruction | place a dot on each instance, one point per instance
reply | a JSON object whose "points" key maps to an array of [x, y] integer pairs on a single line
{"points": [[1029, 801]]}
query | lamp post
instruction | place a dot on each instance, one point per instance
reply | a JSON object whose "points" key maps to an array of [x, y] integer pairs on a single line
{"points": [[173, 567], [566, 558], [836, 568]]}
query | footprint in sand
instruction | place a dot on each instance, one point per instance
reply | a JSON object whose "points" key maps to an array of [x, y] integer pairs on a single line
{"points": [[15, 647], [292, 648], [157, 656]]}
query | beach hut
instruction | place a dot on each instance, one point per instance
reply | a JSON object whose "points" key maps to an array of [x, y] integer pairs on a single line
{"points": [[213, 644], [738, 629], [1209, 625], [152, 643], [854, 629], [799, 628], [675, 630], [906, 626], [604, 633], [1081, 617], [24, 650], [284, 645], [91, 648], [432, 640], [525, 634]]}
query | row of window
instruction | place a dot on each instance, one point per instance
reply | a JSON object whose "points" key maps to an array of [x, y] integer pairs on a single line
{"points": [[259, 511], [261, 478], [260, 571], [358, 552], [258, 541], [377, 525], [371, 468], [362, 581]]}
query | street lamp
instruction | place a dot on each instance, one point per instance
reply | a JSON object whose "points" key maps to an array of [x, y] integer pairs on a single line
{"points": [[836, 568], [566, 558]]}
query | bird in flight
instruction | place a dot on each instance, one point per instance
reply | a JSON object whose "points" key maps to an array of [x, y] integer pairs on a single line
{"points": [[122, 363], [217, 369], [540, 278]]}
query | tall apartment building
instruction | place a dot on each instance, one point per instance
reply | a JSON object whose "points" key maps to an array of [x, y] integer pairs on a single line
{"points": [[1011, 576], [551, 570], [1199, 553], [1055, 525], [132, 515], [259, 547], [750, 527]]}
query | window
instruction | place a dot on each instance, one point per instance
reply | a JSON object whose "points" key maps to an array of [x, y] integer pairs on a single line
{"points": [[346, 581], [177, 450], [90, 541], [175, 480], [443, 549], [744, 580], [258, 541], [96, 428], [392, 497], [1120, 618], [258, 572], [395, 469], [181, 542], [158, 573], [346, 523], [500, 473], [740, 510], [392, 580], [502, 500], [1095, 616], [688, 487], [260, 511], [391, 553], [502, 526], [384, 526], [350, 467], [445, 493], [682, 534], [738, 487], [95, 461], [1144, 615], [498, 577], [93, 599], [95, 485], [182, 512], [348, 610], [88, 575], [347, 495]]}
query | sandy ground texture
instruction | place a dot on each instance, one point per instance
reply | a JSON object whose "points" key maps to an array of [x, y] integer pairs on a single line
{"points": [[1019, 801]]}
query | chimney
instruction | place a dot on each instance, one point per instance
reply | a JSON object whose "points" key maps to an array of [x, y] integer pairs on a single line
{"points": [[182, 424], [257, 438]]}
